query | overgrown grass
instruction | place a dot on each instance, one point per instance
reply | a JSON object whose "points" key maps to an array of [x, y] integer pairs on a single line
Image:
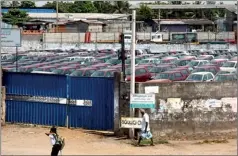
{"points": [[219, 141]]}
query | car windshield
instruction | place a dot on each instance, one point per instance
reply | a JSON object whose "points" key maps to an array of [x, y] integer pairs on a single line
{"points": [[224, 78], [113, 61], [77, 73], [195, 77], [155, 70], [193, 63], [200, 70], [183, 62], [128, 71], [163, 76], [98, 74], [223, 72], [144, 62], [58, 71], [229, 64]]}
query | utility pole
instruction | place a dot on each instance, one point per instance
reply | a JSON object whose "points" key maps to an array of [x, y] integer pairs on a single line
{"points": [[57, 15], [122, 55], [133, 47]]}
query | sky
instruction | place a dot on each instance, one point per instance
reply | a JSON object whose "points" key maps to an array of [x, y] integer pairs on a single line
{"points": [[40, 3]]}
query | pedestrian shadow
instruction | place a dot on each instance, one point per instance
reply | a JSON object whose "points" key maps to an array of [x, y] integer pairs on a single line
{"points": [[106, 134]]}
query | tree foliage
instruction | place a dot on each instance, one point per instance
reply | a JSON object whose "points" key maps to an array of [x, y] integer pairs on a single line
{"points": [[27, 4], [15, 17], [144, 13]]}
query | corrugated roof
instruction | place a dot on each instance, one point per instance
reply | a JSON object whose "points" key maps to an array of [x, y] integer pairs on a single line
{"points": [[78, 16], [185, 21]]}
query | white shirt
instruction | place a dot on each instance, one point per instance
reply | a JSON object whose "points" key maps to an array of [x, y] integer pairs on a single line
{"points": [[52, 139], [144, 120]]}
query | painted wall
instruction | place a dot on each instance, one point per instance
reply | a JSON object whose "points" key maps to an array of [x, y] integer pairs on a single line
{"points": [[188, 109]]}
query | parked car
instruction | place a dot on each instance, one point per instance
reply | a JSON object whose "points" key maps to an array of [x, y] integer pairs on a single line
{"points": [[113, 61], [212, 69], [158, 69], [184, 71], [171, 75], [104, 73], [64, 70], [225, 77], [101, 65], [87, 72], [205, 57], [141, 74], [169, 60], [200, 76], [46, 68], [147, 66], [185, 60], [219, 62], [229, 66], [197, 63], [149, 61]]}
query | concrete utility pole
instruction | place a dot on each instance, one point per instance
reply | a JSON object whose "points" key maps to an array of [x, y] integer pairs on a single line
{"points": [[133, 48], [1, 76]]}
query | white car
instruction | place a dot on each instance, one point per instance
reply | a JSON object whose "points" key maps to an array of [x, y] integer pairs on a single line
{"points": [[200, 77], [229, 66]]}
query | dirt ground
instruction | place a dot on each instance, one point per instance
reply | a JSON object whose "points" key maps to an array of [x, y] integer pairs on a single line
{"points": [[25, 140]]}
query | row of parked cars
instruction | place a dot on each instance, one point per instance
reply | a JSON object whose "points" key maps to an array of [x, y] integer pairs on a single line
{"points": [[170, 66]]}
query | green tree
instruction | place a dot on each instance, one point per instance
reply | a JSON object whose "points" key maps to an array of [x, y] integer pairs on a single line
{"points": [[15, 4], [5, 4], [15, 17], [144, 13], [27, 4], [176, 2], [121, 7], [83, 7], [103, 6], [64, 7]]}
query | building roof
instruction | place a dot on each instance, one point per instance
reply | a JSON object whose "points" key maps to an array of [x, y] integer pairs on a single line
{"points": [[185, 21], [78, 16], [31, 10], [84, 21], [229, 7]]}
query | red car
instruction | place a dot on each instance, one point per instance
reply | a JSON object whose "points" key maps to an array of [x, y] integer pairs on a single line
{"points": [[141, 74], [184, 71], [212, 69], [205, 57], [101, 65], [46, 68], [64, 70], [185, 60], [160, 68], [171, 75], [147, 66], [104, 73], [84, 72], [169, 60], [218, 62]]}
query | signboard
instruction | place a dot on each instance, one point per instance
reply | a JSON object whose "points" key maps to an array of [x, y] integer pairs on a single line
{"points": [[151, 89], [127, 122], [11, 37], [142, 101]]}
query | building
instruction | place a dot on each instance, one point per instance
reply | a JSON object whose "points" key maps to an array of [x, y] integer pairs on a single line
{"points": [[230, 11], [32, 10], [78, 26], [186, 25]]}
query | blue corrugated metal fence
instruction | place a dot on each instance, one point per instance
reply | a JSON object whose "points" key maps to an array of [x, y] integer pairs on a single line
{"points": [[49, 99]]}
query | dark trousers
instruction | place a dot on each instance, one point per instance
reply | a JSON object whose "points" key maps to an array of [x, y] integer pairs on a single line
{"points": [[55, 150]]}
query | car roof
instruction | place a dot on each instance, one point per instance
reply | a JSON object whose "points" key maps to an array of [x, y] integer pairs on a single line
{"points": [[201, 73], [107, 70], [171, 71]]}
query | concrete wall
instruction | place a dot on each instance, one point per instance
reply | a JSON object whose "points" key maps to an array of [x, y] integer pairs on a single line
{"points": [[114, 37], [189, 109], [3, 117]]}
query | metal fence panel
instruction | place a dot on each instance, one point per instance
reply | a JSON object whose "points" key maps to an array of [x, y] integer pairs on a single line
{"points": [[101, 92], [35, 113], [35, 84]]}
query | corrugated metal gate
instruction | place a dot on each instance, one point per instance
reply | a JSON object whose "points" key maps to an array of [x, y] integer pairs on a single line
{"points": [[49, 99]]}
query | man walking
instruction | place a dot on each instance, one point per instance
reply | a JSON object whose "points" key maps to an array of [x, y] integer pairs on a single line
{"points": [[54, 138], [145, 130]]}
